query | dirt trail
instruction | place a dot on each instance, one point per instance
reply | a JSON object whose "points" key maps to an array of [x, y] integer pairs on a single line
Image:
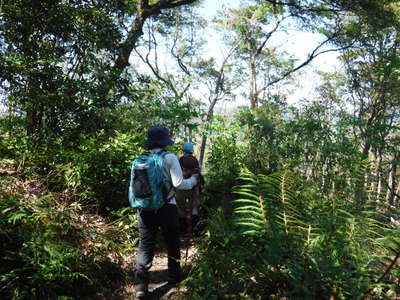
{"points": [[159, 289]]}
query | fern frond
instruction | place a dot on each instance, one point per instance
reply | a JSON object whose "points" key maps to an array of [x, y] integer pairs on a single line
{"points": [[251, 232], [249, 224], [247, 193], [389, 264], [247, 201], [247, 212], [271, 199], [250, 212]]}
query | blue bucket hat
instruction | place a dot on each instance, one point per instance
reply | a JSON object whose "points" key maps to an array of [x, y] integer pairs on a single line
{"points": [[158, 136], [188, 147]]}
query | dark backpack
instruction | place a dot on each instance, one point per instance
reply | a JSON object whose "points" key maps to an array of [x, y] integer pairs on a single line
{"points": [[189, 165]]}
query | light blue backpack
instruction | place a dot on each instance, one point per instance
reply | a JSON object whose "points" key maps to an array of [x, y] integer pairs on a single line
{"points": [[147, 188]]}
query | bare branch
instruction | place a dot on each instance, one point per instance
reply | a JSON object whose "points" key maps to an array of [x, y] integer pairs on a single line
{"points": [[268, 36], [156, 72], [310, 58], [185, 89], [177, 56], [393, 262]]}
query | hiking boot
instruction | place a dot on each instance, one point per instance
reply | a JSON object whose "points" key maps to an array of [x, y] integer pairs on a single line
{"points": [[141, 291], [174, 278], [174, 281]]}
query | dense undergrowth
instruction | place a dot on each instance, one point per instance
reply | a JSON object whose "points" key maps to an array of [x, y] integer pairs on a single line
{"points": [[301, 201], [52, 248], [283, 241], [53, 242]]}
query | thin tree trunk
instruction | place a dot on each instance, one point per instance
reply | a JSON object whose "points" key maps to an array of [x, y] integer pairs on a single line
{"points": [[209, 118], [216, 95], [253, 84], [360, 194], [392, 181]]}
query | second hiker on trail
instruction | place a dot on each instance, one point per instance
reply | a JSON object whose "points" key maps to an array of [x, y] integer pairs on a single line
{"points": [[188, 200], [154, 177]]}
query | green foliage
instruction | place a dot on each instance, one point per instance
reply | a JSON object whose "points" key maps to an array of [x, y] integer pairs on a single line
{"points": [[99, 168], [307, 228], [39, 256], [307, 247], [223, 163], [314, 141], [264, 135], [53, 66], [50, 249], [95, 169], [127, 232]]}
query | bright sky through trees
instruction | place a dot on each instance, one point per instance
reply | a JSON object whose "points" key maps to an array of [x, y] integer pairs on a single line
{"points": [[291, 39], [296, 42]]}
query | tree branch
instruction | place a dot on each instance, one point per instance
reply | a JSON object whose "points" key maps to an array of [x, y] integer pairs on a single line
{"points": [[178, 57], [136, 30], [268, 36], [310, 58], [388, 269], [165, 4], [304, 8], [156, 72]]}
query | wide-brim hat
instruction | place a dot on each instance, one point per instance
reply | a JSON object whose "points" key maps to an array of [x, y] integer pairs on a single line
{"points": [[158, 136]]}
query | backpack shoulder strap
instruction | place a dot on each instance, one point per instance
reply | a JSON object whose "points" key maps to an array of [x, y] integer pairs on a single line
{"points": [[163, 153], [144, 155]]}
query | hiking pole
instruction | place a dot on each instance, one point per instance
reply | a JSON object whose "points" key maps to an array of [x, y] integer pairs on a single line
{"points": [[189, 233]]}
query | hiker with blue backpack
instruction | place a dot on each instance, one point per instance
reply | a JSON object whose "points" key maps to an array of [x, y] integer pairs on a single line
{"points": [[154, 177]]}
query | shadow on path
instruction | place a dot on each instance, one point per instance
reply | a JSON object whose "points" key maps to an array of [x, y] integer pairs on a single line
{"points": [[165, 291], [159, 287]]}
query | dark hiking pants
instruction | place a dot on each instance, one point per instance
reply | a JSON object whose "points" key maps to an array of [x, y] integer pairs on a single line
{"points": [[165, 218]]}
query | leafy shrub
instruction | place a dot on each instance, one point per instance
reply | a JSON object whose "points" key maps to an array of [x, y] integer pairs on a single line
{"points": [[263, 136], [38, 253], [96, 169], [50, 250], [223, 163], [283, 241], [100, 168]]}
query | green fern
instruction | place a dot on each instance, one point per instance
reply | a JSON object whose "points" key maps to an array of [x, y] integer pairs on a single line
{"points": [[270, 203], [342, 245], [250, 212]]}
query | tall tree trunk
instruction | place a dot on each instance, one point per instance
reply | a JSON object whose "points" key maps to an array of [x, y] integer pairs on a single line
{"points": [[209, 118], [144, 11], [360, 194], [216, 95], [34, 116], [392, 180], [253, 83], [376, 179]]}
